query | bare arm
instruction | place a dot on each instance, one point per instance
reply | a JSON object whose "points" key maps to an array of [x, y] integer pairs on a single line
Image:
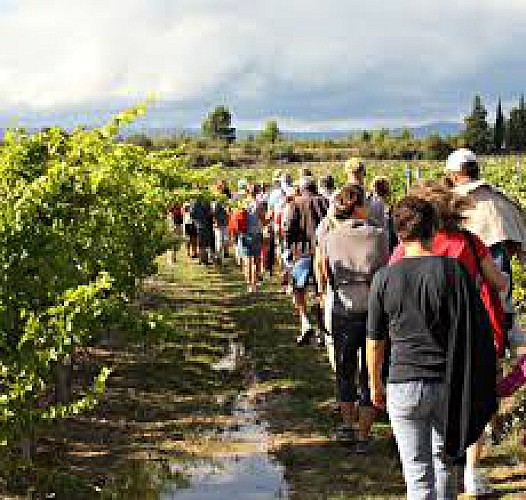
{"points": [[375, 359], [320, 270], [492, 274]]}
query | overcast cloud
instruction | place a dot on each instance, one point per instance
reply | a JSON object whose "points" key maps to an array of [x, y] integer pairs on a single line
{"points": [[311, 64]]}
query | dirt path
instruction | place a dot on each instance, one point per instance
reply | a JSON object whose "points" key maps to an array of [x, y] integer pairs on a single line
{"points": [[219, 403]]}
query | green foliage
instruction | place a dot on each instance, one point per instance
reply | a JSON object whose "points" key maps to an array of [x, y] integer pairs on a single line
{"points": [[81, 222], [218, 125], [437, 148], [270, 132], [499, 130], [477, 134], [140, 139], [516, 136]]}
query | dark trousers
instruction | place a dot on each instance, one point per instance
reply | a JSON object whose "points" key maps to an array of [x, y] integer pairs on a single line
{"points": [[349, 333]]}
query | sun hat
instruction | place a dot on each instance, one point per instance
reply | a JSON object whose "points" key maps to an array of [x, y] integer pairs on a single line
{"points": [[458, 158]]}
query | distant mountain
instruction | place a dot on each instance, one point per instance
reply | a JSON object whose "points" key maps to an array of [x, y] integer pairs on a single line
{"points": [[441, 128]]}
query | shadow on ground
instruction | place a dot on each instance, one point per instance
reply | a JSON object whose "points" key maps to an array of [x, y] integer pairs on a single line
{"points": [[172, 410]]}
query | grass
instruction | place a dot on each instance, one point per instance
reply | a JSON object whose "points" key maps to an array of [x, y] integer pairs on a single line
{"points": [[167, 405]]}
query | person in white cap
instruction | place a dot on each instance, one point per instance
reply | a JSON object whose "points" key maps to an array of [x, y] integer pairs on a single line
{"points": [[500, 223], [495, 218]]}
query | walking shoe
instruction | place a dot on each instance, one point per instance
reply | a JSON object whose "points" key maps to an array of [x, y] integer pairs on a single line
{"points": [[476, 483], [305, 336]]}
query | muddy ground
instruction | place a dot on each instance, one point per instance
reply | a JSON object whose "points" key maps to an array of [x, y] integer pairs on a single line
{"points": [[218, 402]]}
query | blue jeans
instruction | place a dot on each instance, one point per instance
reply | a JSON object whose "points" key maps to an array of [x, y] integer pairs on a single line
{"points": [[416, 412], [301, 272]]}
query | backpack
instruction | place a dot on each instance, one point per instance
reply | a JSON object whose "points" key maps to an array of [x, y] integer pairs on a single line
{"points": [[253, 219], [177, 214], [198, 212], [307, 213], [239, 221], [355, 250], [219, 213]]}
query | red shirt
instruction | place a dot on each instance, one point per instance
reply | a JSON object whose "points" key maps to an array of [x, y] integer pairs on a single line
{"points": [[451, 244], [455, 244]]}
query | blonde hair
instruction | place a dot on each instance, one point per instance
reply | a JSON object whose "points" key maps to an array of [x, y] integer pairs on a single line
{"points": [[354, 164]]}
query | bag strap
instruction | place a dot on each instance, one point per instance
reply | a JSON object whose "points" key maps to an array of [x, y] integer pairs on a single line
{"points": [[473, 247]]}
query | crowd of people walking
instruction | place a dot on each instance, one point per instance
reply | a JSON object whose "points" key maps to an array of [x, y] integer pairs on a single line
{"points": [[412, 300]]}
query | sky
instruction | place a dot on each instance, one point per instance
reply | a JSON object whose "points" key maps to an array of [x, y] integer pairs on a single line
{"points": [[310, 64]]}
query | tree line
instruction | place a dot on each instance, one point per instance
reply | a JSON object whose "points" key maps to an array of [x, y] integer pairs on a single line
{"points": [[218, 141], [507, 134]]}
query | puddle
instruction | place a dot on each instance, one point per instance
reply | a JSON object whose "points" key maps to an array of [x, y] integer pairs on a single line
{"points": [[252, 476], [244, 470]]}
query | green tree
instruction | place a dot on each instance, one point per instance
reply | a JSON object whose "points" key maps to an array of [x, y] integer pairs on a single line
{"points": [[270, 132], [365, 136], [218, 125], [516, 137], [477, 134], [406, 134], [499, 130], [140, 139], [436, 147]]}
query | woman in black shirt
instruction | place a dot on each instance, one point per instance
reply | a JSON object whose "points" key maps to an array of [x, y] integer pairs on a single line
{"points": [[441, 343]]}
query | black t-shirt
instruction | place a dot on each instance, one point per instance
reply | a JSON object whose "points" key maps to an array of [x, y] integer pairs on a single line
{"points": [[409, 303]]}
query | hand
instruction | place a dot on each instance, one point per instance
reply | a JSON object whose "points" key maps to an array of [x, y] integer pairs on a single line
{"points": [[378, 396]]}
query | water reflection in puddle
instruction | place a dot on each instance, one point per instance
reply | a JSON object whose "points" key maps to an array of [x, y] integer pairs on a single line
{"points": [[252, 476], [248, 474]]}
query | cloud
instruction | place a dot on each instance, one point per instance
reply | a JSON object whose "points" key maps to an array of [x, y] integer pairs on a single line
{"points": [[304, 61]]}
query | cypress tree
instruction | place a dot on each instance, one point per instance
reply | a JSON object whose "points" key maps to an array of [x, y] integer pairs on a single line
{"points": [[517, 127], [477, 134], [218, 125], [498, 133]]}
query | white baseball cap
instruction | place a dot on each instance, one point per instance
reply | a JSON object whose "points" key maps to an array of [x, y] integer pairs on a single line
{"points": [[458, 158]]}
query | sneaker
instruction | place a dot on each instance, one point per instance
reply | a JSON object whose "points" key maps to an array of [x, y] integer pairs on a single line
{"points": [[305, 336], [336, 410], [320, 340], [476, 483], [345, 434]]}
